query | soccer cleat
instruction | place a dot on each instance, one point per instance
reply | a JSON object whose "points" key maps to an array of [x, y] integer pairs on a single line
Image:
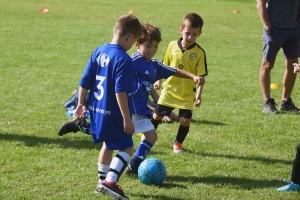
{"points": [[130, 171], [289, 187], [111, 189], [70, 126], [270, 106], [289, 105], [177, 147]]}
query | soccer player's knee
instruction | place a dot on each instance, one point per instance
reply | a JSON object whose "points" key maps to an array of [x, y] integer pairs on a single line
{"points": [[185, 121]]}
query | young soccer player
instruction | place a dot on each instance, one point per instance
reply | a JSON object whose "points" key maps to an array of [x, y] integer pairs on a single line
{"points": [[178, 93], [109, 77]]}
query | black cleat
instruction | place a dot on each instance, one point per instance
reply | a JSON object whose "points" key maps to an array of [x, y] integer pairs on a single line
{"points": [[70, 126]]}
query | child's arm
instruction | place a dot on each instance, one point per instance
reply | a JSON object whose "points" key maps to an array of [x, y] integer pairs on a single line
{"points": [[154, 96], [122, 99], [199, 93], [81, 107], [184, 74], [296, 68]]}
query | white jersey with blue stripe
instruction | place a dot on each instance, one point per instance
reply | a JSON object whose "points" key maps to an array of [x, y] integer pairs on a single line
{"points": [[146, 73]]}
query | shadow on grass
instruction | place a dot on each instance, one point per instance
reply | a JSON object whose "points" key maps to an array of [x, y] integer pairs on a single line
{"points": [[247, 158], [30, 140], [221, 182], [158, 197], [206, 122]]}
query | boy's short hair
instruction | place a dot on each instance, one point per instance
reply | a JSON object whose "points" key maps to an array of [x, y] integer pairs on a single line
{"points": [[192, 20], [150, 33], [128, 24]]}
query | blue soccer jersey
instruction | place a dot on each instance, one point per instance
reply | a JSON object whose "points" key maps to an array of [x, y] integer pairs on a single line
{"points": [[146, 73], [108, 71]]}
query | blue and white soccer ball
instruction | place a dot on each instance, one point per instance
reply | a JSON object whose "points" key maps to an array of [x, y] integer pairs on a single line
{"points": [[152, 171]]}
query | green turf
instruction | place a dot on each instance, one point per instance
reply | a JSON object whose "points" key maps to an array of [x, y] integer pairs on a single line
{"points": [[233, 150]]}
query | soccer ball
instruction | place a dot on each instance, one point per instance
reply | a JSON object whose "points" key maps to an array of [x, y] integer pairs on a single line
{"points": [[152, 171]]}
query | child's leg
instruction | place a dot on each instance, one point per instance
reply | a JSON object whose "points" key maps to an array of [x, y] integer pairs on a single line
{"points": [[105, 158], [118, 165], [159, 113], [183, 130], [142, 151], [156, 120], [74, 126], [296, 167], [116, 168]]}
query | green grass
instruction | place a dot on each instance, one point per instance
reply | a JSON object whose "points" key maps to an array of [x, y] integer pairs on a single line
{"points": [[233, 150]]}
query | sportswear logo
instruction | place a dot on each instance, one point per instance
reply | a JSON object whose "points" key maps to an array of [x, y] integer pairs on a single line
{"points": [[193, 56], [103, 60], [146, 72], [173, 53]]}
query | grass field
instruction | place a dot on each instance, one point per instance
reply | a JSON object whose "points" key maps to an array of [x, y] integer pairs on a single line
{"points": [[233, 150]]}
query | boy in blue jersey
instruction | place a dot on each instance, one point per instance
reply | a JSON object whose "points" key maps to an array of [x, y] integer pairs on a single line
{"points": [[109, 78], [177, 93]]}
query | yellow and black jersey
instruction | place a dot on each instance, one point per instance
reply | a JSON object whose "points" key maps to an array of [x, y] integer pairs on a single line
{"points": [[180, 92]]}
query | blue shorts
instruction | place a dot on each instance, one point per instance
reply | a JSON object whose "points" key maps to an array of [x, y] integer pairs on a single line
{"points": [[122, 144], [286, 38]]}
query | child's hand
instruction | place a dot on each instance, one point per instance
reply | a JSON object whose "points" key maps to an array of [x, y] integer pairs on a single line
{"points": [[296, 68], [80, 111], [198, 102], [128, 126], [199, 80], [157, 85]]}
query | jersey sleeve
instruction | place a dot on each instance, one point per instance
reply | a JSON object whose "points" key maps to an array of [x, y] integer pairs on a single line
{"points": [[163, 71], [124, 76], [167, 58], [202, 65]]}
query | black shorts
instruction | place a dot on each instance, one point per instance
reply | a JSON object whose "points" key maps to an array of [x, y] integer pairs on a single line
{"points": [[162, 110]]}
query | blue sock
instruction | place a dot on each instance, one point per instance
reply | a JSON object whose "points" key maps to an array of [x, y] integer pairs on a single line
{"points": [[140, 154], [143, 149]]}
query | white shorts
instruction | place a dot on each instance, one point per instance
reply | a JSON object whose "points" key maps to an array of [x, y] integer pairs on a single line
{"points": [[142, 124]]}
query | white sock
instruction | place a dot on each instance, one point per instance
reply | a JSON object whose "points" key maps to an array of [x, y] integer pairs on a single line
{"points": [[102, 171], [116, 166]]}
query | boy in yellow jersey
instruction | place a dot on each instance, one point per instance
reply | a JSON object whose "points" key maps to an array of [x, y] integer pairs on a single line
{"points": [[176, 92]]}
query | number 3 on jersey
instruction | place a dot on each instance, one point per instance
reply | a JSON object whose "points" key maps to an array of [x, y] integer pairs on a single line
{"points": [[99, 86]]}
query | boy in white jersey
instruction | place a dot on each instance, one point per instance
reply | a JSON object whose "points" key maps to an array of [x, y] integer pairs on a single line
{"points": [[184, 54]]}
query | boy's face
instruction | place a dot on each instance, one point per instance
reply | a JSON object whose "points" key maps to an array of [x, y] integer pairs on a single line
{"points": [[189, 35], [147, 49]]}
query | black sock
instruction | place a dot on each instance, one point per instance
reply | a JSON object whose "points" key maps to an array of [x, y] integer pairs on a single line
{"points": [[182, 133], [135, 163]]}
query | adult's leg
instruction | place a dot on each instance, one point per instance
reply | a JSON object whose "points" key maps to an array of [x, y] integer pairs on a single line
{"points": [[289, 78], [265, 78]]}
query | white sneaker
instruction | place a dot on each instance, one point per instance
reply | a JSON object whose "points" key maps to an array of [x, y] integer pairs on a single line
{"points": [[177, 147]]}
